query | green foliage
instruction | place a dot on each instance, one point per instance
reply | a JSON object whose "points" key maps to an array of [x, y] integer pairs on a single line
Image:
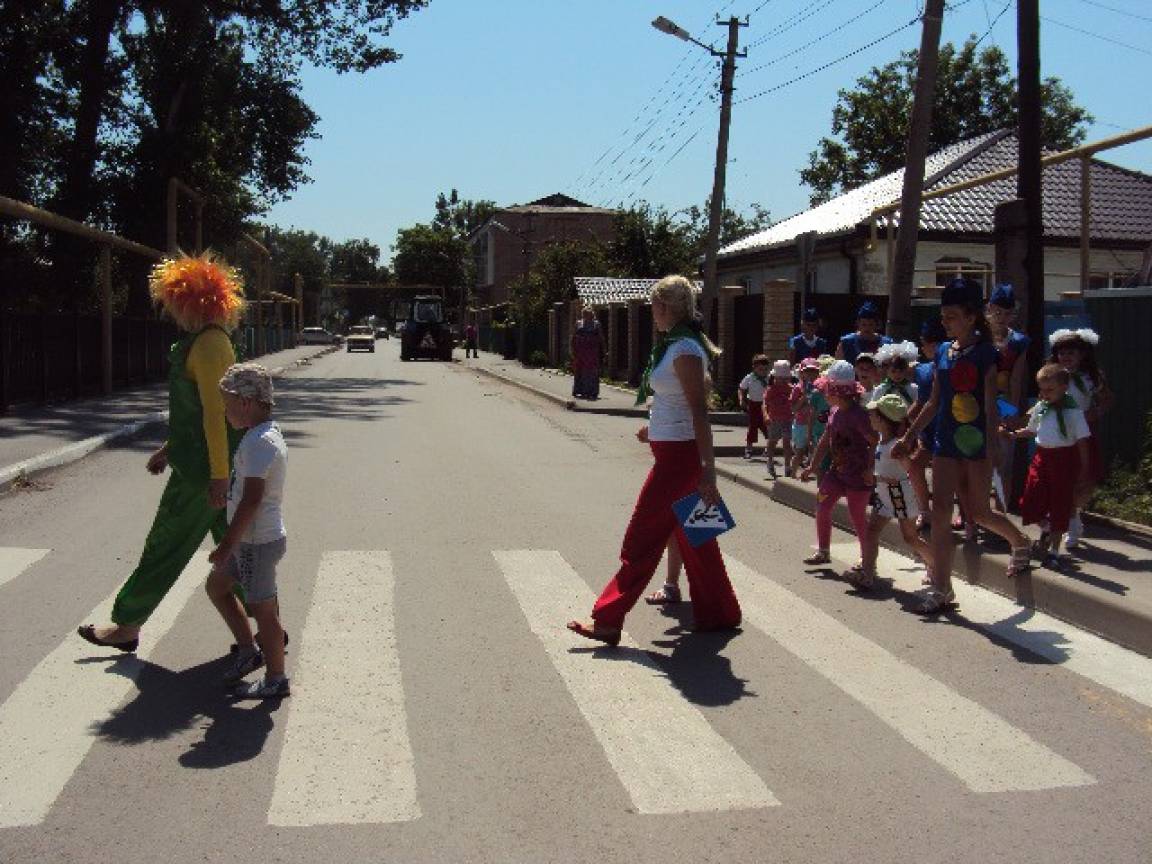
{"points": [[426, 255], [462, 216], [1127, 493], [550, 279], [975, 94], [537, 359]]}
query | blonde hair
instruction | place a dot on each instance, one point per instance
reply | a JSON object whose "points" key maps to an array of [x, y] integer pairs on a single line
{"points": [[677, 292]]}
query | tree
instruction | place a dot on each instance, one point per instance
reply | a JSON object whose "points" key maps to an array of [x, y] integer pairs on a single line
{"points": [[462, 216], [425, 255], [552, 274], [975, 94]]}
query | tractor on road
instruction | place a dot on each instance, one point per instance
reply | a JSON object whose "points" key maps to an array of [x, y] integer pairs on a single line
{"points": [[426, 333]]}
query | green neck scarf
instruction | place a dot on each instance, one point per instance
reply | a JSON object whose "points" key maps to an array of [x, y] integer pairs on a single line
{"points": [[1078, 380], [1043, 408], [659, 349]]}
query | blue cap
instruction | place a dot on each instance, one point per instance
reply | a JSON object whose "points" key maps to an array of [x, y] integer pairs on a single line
{"points": [[962, 291], [933, 330], [810, 315], [868, 310], [1003, 296]]}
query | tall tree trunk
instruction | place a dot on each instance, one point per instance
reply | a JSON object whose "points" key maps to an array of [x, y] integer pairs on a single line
{"points": [[23, 51]]}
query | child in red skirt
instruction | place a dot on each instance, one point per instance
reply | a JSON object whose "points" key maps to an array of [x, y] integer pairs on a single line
{"points": [[1060, 465]]}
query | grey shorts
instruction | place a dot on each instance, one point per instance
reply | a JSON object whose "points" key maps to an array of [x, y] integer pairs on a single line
{"points": [[253, 568], [780, 429]]}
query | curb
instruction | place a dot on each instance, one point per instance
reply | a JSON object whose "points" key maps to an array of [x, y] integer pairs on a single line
{"points": [[12, 474], [1059, 596]]}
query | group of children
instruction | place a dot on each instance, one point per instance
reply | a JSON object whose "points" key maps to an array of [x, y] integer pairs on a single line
{"points": [[871, 421]]}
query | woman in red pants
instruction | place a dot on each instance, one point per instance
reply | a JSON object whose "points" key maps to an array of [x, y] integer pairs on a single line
{"points": [[681, 440]]}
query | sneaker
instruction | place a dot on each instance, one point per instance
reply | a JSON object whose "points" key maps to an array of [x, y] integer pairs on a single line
{"points": [[263, 689], [242, 663], [748, 453], [1075, 532]]}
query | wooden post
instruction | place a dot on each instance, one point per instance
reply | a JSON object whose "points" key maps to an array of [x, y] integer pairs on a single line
{"points": [[890, 241], [1085, 221], [105, 320], [260, 270]]}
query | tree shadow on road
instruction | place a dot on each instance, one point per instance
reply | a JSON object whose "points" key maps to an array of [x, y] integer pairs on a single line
{"points": [[168, 703]]}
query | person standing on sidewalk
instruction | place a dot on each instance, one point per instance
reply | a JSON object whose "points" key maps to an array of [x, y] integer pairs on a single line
{"points": [[680, 437], [587, 348], [750, 395], [205, 299], [470, 341]]}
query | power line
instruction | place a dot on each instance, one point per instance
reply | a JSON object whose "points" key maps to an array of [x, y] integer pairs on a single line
{"points": [[1096, 35], [831, 63], [992, 24], [1135, 15], [818, 39], [794, 21]]}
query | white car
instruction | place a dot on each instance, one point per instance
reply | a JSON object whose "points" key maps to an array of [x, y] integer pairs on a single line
{"points": [[316, 336], [361, 338]]}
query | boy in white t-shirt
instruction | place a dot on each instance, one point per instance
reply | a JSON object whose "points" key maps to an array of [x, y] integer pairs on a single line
{"points": [[750, 395], [256, 539]]}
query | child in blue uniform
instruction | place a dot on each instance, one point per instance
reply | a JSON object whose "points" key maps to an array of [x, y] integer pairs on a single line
{"points": [[866, 339], [963, 403], [1011, 364], [806, 343], [924, 375]]}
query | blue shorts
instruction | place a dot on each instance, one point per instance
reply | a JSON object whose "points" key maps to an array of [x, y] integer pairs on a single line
{"points": [[800, 436]]}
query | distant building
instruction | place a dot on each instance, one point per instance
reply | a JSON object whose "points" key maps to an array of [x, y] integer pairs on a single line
{"points": [[956, 229], [505, 245]]}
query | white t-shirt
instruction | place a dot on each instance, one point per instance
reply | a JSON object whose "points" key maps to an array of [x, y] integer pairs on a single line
{"points": [[262, 453], [754, 387], [1047, 428], [669, 418], [887, 467]]}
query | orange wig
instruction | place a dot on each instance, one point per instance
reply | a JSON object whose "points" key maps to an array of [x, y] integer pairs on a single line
{"points": [[198, 292]]}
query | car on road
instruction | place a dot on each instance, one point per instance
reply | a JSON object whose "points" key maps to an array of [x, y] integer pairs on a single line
{"points": [[360, 338], [383, 333], [316, 336]]}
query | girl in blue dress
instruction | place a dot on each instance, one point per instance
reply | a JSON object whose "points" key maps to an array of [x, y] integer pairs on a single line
{"points": [[963, 404]]}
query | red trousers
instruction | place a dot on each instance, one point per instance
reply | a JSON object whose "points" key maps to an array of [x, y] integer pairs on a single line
{"points": [[1050, 487], [675, 474], [755, 421]]}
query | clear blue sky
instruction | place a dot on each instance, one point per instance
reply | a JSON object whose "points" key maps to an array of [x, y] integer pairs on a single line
{"points": [[515, 99]]}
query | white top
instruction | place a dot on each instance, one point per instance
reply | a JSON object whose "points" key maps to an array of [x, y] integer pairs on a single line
{"points": [[1047, 428], [669, 418], [753, 387], [262, 453], [886, 467], [1082, 398]]}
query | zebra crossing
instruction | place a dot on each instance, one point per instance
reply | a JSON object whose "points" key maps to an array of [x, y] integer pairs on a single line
{"points": [[346, 756]]}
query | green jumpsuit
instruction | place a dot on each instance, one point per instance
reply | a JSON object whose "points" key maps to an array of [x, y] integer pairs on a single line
{"points": [[184, 517]]}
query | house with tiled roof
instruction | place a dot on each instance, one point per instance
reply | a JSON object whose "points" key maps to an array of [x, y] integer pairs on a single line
{"points": [[851, 245], [504, 247], [605, 290]]}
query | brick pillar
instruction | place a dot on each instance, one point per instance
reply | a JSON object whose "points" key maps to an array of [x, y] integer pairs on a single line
{"points": [[614, 366], [635, 365], [778, 302], [727, 374]]}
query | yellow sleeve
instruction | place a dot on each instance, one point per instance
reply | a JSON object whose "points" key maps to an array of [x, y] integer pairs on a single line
{"points": [[208, 359]]}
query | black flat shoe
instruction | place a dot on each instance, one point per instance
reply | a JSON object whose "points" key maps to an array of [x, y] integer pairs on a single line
{"points": [[88, 633]]}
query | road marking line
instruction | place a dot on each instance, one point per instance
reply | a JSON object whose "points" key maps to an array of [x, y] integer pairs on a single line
{"points": [[1098, 660], [666, 754], [346, 757], [14, 561], [984, 751], [49, 722]]}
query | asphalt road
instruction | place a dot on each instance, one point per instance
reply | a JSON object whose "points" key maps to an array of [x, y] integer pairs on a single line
{"points": [[443, 527]]}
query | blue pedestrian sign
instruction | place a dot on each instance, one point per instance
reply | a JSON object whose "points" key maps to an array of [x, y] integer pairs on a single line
{"points": [[700, 522]]}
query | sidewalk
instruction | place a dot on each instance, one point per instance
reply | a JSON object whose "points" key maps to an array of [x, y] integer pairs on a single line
{"points": [[1105, 589], [40, 437]]}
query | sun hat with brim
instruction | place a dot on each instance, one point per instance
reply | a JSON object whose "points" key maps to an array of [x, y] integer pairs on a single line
{"points": [[809, 363], [891, 406], [248, 381], [840, 380], [781, 369], [825, 361]]}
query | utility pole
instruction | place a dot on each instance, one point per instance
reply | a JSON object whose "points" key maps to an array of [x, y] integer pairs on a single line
{"points": [[716, 210], [919, 129], [1028, 178]]}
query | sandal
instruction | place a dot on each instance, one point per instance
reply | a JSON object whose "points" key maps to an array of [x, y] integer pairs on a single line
{"points": [[669, 592], [609, 637], [860, 576], [820, 556], [937, 602], [1021, 561]]}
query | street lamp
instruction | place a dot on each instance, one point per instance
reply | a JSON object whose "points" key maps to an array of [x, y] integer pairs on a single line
{"points": [[716, 210]]}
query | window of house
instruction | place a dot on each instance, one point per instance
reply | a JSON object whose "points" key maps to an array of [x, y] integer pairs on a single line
{"points": [[948, 268]]}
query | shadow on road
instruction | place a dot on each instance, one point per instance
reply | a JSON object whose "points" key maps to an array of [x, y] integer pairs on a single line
{"points": [[172, 702]]}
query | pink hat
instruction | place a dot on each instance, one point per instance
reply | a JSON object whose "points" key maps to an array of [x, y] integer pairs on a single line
{"points": [[809, 363]]}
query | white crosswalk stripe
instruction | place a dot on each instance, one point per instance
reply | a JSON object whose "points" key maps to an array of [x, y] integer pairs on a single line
{"points": [[14, 561], [1098, 660], [982, 750], [346, 757], [46, 725], [665, 753]]}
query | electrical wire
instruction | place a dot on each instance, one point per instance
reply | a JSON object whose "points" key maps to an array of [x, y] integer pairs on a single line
{"points": [[818, 39], [992, 24], [1108, 39], [830, 63], [1135, 15], [789, 23]]}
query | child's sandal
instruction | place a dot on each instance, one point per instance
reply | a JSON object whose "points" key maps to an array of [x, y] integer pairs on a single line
{"points": [[1021, 561], [820, 556], [860, 576], [936, 602]]}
